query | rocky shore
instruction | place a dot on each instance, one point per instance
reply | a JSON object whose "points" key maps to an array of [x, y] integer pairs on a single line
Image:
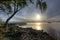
{"points": [[28, 34]]}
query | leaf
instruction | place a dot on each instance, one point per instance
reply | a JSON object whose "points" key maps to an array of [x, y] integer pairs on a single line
{"points": [[17, 1], [22, 3], [44, 5], [38, 3], [6, 6], [2, 7], [31, 1]]}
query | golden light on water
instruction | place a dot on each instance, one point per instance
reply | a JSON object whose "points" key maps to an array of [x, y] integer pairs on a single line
{"points": [[38, 26]]}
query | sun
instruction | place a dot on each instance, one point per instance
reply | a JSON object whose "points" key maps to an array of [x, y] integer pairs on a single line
{"points": [[38, 17]]}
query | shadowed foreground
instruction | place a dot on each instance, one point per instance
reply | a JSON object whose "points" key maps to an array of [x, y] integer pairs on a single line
{"points": [[27, 34]]}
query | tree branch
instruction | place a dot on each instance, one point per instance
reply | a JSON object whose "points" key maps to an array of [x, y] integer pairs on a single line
{"points": [[11, 17]]}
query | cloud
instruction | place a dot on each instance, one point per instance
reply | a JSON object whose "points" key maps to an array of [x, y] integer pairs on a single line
{"points": [[56, 18]]}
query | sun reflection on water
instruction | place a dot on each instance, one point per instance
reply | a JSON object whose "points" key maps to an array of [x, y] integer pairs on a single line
{"points": [[38, 26]]}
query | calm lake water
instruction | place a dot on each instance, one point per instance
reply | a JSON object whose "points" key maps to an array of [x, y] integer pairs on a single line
{"points": [[44, 26]]}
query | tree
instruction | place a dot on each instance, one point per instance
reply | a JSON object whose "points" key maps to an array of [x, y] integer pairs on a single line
{"points": [[42, 5], [0, 23], [0, 20], [18, 5]]}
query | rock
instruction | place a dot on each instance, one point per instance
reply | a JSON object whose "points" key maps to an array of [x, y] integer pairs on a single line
{"points": [[30, 34]]}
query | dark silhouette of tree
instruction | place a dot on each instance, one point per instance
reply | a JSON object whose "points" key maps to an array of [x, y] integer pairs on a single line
{"points": [[0, 20], [42, 5]]}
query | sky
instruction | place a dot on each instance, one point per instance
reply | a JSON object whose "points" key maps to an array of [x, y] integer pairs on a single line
{"points": [[28, 13]]}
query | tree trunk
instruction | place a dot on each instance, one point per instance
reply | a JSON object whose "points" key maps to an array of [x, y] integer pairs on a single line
{"points": [[15, 11], [5, 25], [41, 7]]}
